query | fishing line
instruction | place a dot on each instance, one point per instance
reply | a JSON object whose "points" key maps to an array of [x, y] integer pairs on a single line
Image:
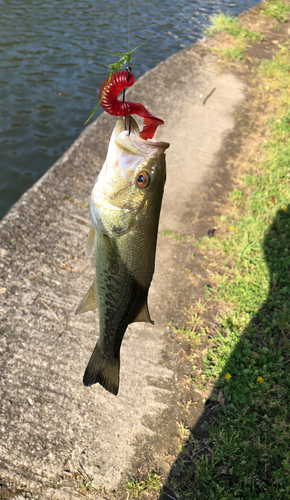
{"points": [[128, 69], [129, 27], [116, 67]]}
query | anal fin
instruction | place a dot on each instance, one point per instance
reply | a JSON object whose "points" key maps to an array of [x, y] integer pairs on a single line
{"points": [[89, 301], [143, 315]]}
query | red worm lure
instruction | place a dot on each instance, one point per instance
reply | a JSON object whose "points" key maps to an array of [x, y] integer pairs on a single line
{"points": [[111, 104]]}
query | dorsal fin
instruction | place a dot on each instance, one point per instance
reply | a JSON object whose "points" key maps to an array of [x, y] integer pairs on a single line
{"points": [[143, 315], [90, 240], [89, 301]]}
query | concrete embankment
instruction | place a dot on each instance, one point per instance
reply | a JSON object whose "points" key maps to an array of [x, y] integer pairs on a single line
{"points": [[52, 427]]}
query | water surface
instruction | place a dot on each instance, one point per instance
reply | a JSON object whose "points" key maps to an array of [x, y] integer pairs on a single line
{"points": [[52, 65]]}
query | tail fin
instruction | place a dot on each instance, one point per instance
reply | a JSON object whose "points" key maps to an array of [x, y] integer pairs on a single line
{"points": [[102, 370]]}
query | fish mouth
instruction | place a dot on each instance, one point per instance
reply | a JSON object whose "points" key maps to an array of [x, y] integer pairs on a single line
{"points": [[127, 150], [127, 137]]}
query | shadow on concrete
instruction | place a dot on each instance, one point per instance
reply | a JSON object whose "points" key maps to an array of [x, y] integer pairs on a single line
{"points": [[243, 402]]}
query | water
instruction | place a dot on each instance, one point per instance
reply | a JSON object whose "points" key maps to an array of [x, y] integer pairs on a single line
{"points": [[52, 65]]}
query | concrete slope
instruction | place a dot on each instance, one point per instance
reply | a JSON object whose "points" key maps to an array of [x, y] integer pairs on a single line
{"points": [[50, 422]]}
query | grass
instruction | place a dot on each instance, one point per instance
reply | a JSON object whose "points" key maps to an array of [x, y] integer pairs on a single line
{"points": [[236, 53], [142, 488], [227, 24], [173, 234], [239, 36], [280, 11], [190, 333], [247, 452], [83, 484]]}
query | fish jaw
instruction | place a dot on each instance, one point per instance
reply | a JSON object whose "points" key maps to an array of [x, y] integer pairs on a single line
{"points": [[116, 200]]}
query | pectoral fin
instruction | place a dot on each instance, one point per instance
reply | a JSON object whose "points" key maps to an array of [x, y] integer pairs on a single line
{"points": [[143, 315], [90, 240], [89, 301]]}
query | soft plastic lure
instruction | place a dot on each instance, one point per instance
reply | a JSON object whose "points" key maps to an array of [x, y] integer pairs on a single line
{"points": [[109, 99]]}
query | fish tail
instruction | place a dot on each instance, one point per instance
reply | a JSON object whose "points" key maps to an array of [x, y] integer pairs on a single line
{"points": [[103, 370]]}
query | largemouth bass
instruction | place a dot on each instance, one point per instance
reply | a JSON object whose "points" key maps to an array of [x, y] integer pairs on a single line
{"points": [[124, 209]]}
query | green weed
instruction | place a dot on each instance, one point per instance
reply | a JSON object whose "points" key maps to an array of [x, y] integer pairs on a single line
{"points": [[175, 236], [166, 232], [278, 10], [241, 36], [233, 53], [183, 430], [190, 333], [83, 484], [137, 489], [227, 24]]}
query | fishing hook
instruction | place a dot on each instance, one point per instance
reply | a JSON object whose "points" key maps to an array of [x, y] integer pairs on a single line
{"points": [[128, 69]]}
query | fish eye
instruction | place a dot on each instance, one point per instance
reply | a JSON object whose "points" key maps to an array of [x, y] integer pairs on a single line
{"points": [[143, 180]]}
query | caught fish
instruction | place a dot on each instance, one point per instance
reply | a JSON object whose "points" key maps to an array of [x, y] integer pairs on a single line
{"points": [[124, 209]]}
